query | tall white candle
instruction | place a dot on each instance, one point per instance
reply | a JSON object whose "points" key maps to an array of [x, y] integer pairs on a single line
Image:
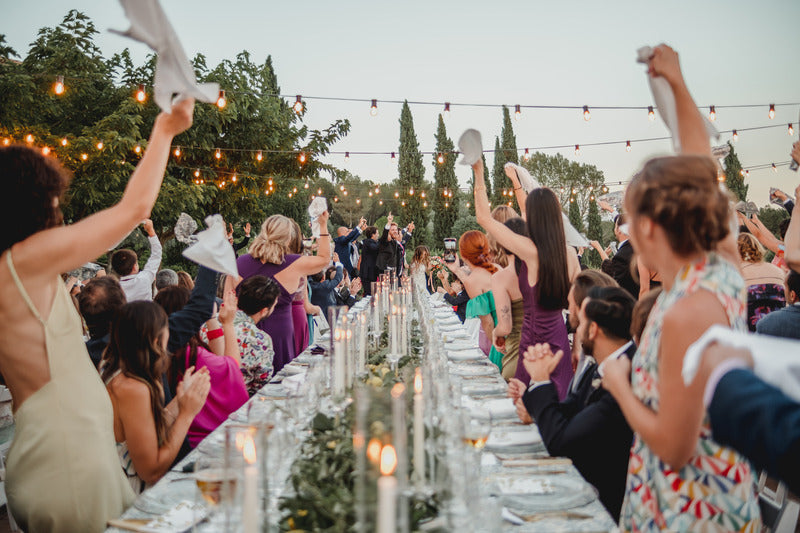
{"points": [[387, 492], [338, 361], [419, 430], [403, 330], [250, 498], [362, 342], [394, 321]]}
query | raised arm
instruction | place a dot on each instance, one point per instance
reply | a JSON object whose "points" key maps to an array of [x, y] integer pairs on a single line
{"points": [[310, 264], [518, 245], [65, 248], [519, 193], [186, 322], [154, 261], [792, 240]]}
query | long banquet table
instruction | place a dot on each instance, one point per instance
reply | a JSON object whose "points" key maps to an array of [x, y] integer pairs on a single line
{"points": [[498, 466]]}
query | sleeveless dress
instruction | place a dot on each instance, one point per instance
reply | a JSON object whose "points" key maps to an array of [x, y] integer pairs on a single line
{"points": [[541, 325], [279, 324], [509, 360], [63, 473], [300, 320], [481, 305], [137, 484], [715, 490]]}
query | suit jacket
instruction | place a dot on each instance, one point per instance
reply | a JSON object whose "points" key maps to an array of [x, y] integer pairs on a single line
{"points": [[781, 323], [341, 245], [369, 260], [389, 254], [619, 268], [323, 293], [459, 301], [589, 428], [760, 422]]}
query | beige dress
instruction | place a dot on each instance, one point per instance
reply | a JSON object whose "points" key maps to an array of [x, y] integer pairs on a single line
{"points": [[63, 473]]}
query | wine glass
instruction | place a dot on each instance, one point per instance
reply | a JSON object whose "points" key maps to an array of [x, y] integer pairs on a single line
{"points": [[215, 486], [477, 425]]}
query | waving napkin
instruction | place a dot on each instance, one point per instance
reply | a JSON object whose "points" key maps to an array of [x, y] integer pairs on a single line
{"points": [[775, 359], [212, 249], [318, 206], [471, 147], [174, 73], [665, 101], [526, 181]]}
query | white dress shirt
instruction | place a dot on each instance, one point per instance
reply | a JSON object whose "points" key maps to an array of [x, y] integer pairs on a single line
{"points": [[140, 286]]}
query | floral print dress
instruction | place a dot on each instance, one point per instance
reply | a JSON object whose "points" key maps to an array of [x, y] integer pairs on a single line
{"points": [[716, 489]]}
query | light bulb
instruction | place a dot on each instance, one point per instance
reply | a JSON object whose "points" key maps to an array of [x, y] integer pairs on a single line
{"points": [[517, 112], [424, 204], [380, 202], [447, 204], [771, 113], [64, 141], [373, 110], [347, 156], [422, 194], [396, 194], [319, 191], [269, 182], [627, 146], [712, 114], [577, 149], [6, 141], [233, 178], [137, 149], [650, 113], [358, 201], [290, 195], [336, 199], [411, 191], [259, 156], [587, 116], [100, 145], [141, 94], [467, 205], [177, 151], [294, 189], [735, 136], [197, 173], [440, 159], [305, 185], [29, 138], [403, 203], [341, 187], [345, 193], [298, 105], [370, 194], [218, 154], [221, 100], [746, 173], [377, 190], [302, 158], [393, 156], [791, 130], [58, 88], [527, 155], [774, 168], [84, 156], [45, 150], [447, 110]]}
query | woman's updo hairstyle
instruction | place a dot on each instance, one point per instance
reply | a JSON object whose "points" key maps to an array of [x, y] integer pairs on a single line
{"points": [[274, 241], [681, 194], [750, 249], [501, 213], [474, 247]]}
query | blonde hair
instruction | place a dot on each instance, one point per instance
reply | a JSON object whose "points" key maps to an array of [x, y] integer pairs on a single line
{"points": [[501, 213], [750, 249], [274, 240]]}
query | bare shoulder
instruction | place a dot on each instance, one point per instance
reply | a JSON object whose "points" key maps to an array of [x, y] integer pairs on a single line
{"points": [[694, 312], [129, 390]]}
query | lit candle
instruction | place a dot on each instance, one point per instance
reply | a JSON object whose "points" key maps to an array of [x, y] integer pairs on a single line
{"points": [[387, 491], [419, 430], [394, 326], [338, 362], [250, 500]]}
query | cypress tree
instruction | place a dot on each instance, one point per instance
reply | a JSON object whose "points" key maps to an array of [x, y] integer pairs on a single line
{"points": [[509, 140], [594, 232], [444, 179], [499, 179], [733, 175], [411, 175], [574, 215]]}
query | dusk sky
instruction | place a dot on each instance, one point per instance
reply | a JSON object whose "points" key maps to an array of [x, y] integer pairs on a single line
{"points": [[530, 53]]}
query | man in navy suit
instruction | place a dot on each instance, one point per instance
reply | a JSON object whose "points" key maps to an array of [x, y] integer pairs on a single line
{"points": [[784, 322], [345, 246], [588, 426]]}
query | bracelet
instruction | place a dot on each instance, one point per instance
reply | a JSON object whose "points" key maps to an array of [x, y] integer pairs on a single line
{"points": [[215, 334], [324, 234], [517, 188]]}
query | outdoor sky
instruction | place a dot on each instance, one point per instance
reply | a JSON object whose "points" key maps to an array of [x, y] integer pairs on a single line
{"points": [[526, 52]]}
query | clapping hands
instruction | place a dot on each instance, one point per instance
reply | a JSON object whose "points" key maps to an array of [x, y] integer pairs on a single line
{"points": [[540, 361], [192, 391]]}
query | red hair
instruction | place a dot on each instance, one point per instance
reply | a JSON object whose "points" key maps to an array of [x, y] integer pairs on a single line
{"points": [[474, 247]]}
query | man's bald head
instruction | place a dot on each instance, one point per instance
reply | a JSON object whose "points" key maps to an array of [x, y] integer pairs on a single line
{"points": [[342, 231]]}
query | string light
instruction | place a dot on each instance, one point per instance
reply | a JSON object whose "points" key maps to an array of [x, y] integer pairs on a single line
{"points": [[440, 158], [233, 178], [319, 191], [527, 155], [137, 149], [467, 205], [377, 190], [587, 116], [651, 114], [259, 156], [141, 94], [373, 109], [712, 113], [64, 141], [197, 173], [447, 110], [771, 113], [341, 187], [396, 194], [627, 146], [45, 150], [218, 154], [58, 88], [735, 136], [100, 145], [29, 138], [84, 156], [347, 156], [393, 155], [577, 149], [517, 112], [302, 158], [411, 191], [380, 202], [422, 194], [177, 151], [791, 130], [403, 203], [298, 105], [221, 100], [370, 194], [424, 204], [447, 204], [305, 186]]}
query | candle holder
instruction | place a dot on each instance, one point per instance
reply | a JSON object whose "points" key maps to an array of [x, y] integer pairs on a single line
{"points": [[246, 492], [339, 348]]}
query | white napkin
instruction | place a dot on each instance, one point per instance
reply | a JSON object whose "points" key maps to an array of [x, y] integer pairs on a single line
{"points": [[526, 181], [466, 355], [212, 249], [471, 147], [504, 438], [665, 101], [775, 360], [174, 73], [499, 408], [293, 383], [318, 206], [523, 485], [460, 346], [185, 228]]}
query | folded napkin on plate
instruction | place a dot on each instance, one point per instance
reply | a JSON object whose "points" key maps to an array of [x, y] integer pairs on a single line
{"points": [[498, 407], [294, 382], [451, 328], [523, 485], [453, 346], [465, 355], [505, 438]]}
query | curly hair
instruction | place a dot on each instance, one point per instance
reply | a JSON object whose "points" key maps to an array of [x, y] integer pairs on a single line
{"points": [[474, 247], [34, 183], [682, 196], [274, 241], [750, 249], [501, 213]]}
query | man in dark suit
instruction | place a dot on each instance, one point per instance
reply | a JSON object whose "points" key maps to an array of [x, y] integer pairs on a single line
{"points": [[588, 426], [345, 246], [784, 322], [619, 266], [368, 268], [751, 416], [391, 246]]}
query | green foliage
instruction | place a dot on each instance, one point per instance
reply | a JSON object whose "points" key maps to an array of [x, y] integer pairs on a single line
{"points": [[499, 178], [411, 175], [574, 214], [509, 140], [463, 225], [444, 178], [772, 217], [564, 176], [733, 175], [594, 232]]}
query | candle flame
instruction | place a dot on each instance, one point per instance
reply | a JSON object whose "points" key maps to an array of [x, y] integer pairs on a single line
{"points": [[418, 381], [398, 389], [374, 451], [388, 460], [249, 449]]}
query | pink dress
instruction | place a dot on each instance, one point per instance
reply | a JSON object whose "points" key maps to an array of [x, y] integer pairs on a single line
{"points": [[300, 320]]}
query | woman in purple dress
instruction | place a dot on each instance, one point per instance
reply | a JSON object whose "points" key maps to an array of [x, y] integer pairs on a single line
{"points": [[544, 284], [270, 255]]}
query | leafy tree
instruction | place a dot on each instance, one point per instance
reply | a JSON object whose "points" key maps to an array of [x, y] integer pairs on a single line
{"points": [[463, 225], [566, 178], [444, 179], [733, 175], [411, 176]]}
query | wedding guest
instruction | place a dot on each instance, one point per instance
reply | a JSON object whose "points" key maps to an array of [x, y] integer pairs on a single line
{"points": [[148, 433], [185, 280], [641, 312], [301, 307], [546, 268], [454, 294], [241, 243], [619, 266], [588, 426], [61, 407], [346, 292], [420, 267], [391, 246], [792, 238], [257, 297], [98, 302], [501, 213], [345, 246], [368, 268], [783, 322], [678, 218], [323, 290], [270, 255], [138, 284], [764, 281], [166, 277]]}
